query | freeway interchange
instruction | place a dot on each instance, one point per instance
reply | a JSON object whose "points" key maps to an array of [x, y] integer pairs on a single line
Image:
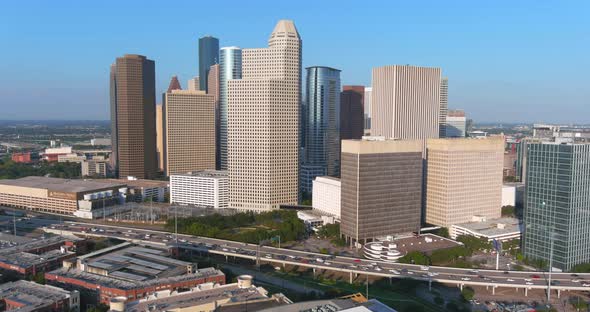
{"points": [[525, 280]]}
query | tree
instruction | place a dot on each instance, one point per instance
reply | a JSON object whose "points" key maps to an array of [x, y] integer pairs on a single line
{"points": [[473, 243], [439, 300], [508, 211], [98, 308], [579, 303], [582, 268], [467, 293], [415, 257], [443, 231]]}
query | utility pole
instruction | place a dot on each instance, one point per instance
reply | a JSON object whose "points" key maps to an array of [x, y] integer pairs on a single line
{"points": [[550, 269], [176, 224], [279, 241], [367, 286], [14, 220]]}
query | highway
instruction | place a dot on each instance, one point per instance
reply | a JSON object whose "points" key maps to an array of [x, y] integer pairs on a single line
{"points": [[492, 279]]}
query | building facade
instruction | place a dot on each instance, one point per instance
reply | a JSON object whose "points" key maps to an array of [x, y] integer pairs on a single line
{"points": [[189, 140], [352, 116], [160, 136], [263, 124], [322, 123], [381, 188], [444, 106], [557, 197], [208, 56], [213, 89], [91, 168], [193, 84], [455, 126], [405, 102], [133, 116], [367, 107], [326, 195], [230, 67], [205, 189], [464, 179]]}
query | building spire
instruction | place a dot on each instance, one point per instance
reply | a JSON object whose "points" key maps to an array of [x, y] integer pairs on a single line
{"points": [[174, 84]]}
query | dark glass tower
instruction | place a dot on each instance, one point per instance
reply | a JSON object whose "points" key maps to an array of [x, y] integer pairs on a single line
{"points": [[321, 125], [208, 55]]}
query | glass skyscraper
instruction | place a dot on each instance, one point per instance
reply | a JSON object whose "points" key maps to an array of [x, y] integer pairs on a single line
{"points": [[230, 67], [208, 55], [322, 125], [557, 204]]}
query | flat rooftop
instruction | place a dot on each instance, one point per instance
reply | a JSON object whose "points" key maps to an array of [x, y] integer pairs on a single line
{"points": [[25, 255], [419, 243], [139, 183], [493, 227], [33, 296], [62, 185], [204, 174]]}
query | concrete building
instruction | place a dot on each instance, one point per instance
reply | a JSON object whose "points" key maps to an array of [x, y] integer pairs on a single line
{"points": [[193, 84], [24, 158], [213, 89], [326, 195], [208, 56], [367, 108], [352, 116], [129, 271], [556, 216], [508, 195], [456, 124], [54, 195], [314, 219], [204, 189], [133, 116], [406, 102], [160, 136], [350, 303], [322, 125], [189, 136], [502, 229], [32, 297], [52, 154], [140, 190], [230, 67], [94, 168], [444, 106], [263, 124], [73, 157], [381, 188], [100, 142], [464, 179]]}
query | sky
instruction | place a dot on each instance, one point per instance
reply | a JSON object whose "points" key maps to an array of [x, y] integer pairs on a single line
{"points": [[507, 61]]}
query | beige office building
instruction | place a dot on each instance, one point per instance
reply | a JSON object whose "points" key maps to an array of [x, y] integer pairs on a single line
{"points": [[381, 188], [160, 137], [263, 123], [189, 135], [464, 179], [405, 102]]}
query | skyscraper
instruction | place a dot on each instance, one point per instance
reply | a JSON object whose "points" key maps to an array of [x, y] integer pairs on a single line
{"points": [[213, 89], [464, 179], [160, 136], [133, 116], [352, 116], [230, 67], [189, 140], [455, 124], [444, 105], [406, 102], [367, 107], [322, 125], [381, 187], [263, 123], [193, 84], [208, 55], [557, 197]]}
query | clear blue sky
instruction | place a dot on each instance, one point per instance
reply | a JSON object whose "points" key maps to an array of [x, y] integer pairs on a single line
{"points": [[506, 60]]}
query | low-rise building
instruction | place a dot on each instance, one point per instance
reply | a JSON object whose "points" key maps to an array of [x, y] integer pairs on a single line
{"points": [[143, 190], [100, 142], [501, 229], [204, 189], [94, 168], [73, 157], [352, 303], [326, 195], [24, 158], [314, 219], [130, 271], [28, 296], [52, 154]]}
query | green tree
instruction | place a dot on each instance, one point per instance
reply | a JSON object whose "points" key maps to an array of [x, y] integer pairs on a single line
{"points": [[508, 211], [473, 243], [98, 308], [582, 268], [578, 303], [415, 257], [439, 300], [443, 231], [467, 293]]}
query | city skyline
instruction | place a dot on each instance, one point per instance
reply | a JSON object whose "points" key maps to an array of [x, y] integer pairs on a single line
{"points": [[520, 70]]}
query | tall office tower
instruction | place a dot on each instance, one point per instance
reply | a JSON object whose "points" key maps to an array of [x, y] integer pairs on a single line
{"points": [[352, 116], [521, 157], [208, 56], [556, 219], [444, 106], [193, 84], [230, 67], [189, 140], [160, 136], [455, 125], [133, 116], [213, 89], [405, 102], [464, 179], [381, 187], [322, 126], [263, 123], [367, 106]]}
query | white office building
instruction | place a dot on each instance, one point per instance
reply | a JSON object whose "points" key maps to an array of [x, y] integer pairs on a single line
{"points": [[326, 195], [204, 189]]}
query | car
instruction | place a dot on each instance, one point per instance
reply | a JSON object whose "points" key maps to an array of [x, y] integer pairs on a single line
{"points": [[527, 280], [574, 275], [224, 249], [182, 240], [328, 263], [410, 272], [465, 278], [378, 269], [291, 256], [424, 268], [373, 263], [529, 283], [509, 280], [586, 285], [576, 280], [432, 274], [506, 272], [164, 240], [304, 261], [320, 260], [396, 272], [352, 266], [357, 260], [535, 276], [555, 282]]}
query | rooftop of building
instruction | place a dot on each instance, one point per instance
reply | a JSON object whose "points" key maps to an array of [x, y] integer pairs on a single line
{"points": [[492, 227], [204, 174], [32, 296], [380, 145], [226, 295], [24, 255], [491, 143], [326, 179], [423, 243], [63, 185], [332, 305], [138, 183]]}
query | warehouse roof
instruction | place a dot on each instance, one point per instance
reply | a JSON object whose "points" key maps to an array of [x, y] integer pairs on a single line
{"points": [[62, 185]]}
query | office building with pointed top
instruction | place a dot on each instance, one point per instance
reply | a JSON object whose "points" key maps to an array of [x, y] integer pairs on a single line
{"points": [[133, 116], [263, 124], [230, 67], [208, 56]]}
